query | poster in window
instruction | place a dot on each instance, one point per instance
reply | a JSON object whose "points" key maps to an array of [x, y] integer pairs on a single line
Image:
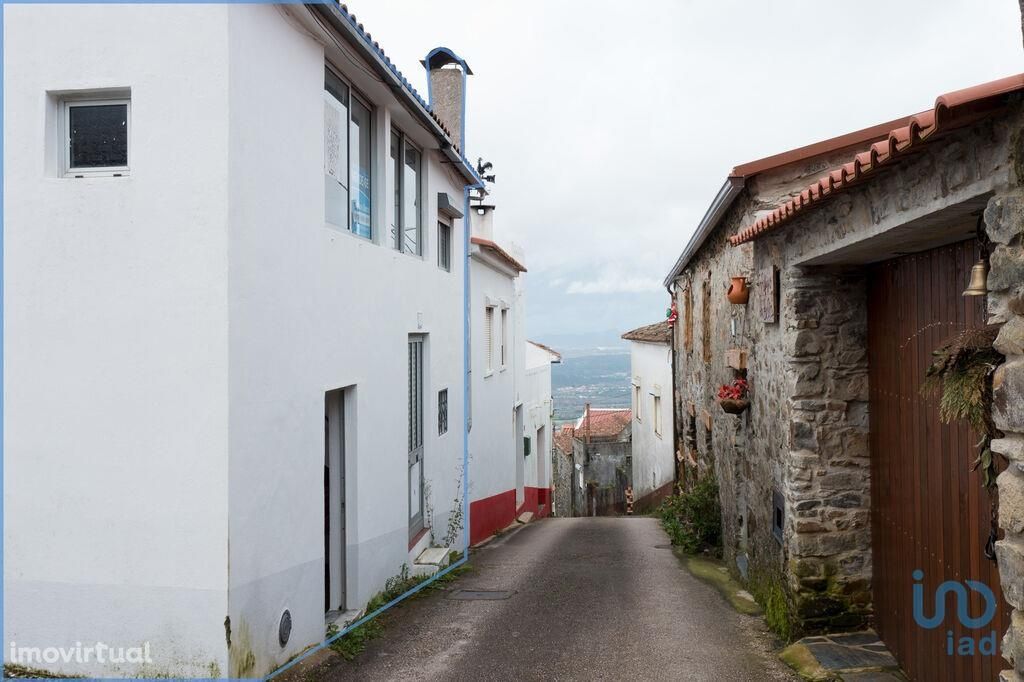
{"points": [[335, 139], [361, 206]]}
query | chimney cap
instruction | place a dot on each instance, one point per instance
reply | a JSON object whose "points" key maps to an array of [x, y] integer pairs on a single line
{"points": [[442, 56]]}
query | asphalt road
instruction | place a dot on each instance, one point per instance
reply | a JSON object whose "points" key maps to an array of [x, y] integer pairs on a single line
{"points": [[593, 599]]}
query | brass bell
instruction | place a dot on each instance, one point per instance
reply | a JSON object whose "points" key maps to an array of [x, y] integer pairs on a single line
{"points": [[979, 276]]}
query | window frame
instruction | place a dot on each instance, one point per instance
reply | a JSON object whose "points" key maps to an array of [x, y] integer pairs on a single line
{"points": [[638, 400], [66, 103], [446, 252], [489, 340], [656, 407], [366, 102], [442, 412], [503, 345], [399, 238]]}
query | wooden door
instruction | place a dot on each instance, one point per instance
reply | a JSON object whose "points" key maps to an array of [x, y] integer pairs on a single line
{"points": [[929, 510]]}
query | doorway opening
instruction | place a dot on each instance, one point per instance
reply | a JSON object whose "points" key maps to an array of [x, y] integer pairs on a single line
{"points": [[334, 500]]}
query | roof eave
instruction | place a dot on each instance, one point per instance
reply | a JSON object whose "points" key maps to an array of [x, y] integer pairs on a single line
{"points": [[346, 26], [730, 189]]}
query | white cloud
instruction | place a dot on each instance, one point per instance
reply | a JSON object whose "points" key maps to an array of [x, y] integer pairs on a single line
{"points": [[611, 284]]}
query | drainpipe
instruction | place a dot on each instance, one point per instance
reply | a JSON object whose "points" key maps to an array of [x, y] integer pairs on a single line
{"points": [[676, 440]]}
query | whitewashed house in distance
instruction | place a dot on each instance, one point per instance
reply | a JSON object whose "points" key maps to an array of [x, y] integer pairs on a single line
{"points": [[233, 281], [654, 462], [538, 433]]}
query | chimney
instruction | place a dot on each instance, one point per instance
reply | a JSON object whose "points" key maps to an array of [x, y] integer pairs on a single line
{"points": [[446, 78], [481, 220]]}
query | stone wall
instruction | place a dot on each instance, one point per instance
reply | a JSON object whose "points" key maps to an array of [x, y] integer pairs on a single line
{"points": [[806, 432], [1004, 219]]}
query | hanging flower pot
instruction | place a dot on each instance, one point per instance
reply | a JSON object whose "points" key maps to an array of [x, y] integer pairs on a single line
{"points": [[733, 405], [733, 397], [738, 293]]}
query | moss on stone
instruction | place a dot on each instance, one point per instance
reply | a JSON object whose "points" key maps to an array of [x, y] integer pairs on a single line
{"points": [[799, 658], [717, 575]]}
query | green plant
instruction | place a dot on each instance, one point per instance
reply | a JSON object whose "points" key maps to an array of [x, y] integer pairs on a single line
{"points": [[354, 642], [962, 373], [454, 518], [777, 613], [693, 518]]}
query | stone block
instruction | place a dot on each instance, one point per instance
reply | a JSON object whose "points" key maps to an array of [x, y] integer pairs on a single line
{"points": [[1011, 500], [802, 436], [806, 342], [1004, 217], [1008, 396], [1013, 640], [1010, 554], [1006, 267], [842, 481], [850, 500], [1011, 447], [1011, 337]]}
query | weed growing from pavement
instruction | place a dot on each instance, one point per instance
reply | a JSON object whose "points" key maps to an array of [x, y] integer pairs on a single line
{"points": [[355, 641]]}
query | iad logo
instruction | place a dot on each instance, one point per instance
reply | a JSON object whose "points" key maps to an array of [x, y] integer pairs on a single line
{"points": [[967, 646]]}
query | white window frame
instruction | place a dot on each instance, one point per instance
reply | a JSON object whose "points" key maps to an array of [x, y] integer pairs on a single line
{"points": [[637, 400], [404, 140], [503, 348], [656, 406], [65, 146], [445, 253], [489, 340], [354, 94]]}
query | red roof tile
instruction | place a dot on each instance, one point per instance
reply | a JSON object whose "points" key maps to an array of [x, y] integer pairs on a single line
{"points": [[601, 423], [952, 110], [498, 251], [659, 332]]}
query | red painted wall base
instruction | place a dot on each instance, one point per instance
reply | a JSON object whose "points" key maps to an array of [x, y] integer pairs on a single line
{"points": [[491, 514]]}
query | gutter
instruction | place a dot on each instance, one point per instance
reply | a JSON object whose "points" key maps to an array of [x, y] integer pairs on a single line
{"points": [[346, 26], [731, 189]]}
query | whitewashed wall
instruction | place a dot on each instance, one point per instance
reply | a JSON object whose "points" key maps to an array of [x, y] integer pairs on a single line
{"points": [[653, 459], [116, 341], [537, 401], [170, 336]]}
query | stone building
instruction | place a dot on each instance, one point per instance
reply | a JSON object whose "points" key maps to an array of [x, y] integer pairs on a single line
{"points": [[838, 482], [593, 463]]}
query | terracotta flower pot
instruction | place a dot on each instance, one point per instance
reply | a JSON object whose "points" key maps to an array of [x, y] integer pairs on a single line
{"points": [[738, 292], [734, 405]]}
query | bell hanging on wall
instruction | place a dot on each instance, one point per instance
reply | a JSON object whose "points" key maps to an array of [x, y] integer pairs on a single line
{"points": [[979, 277]]}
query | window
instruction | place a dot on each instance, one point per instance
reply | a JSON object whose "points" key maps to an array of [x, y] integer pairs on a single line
{"points": [[489, 336], [442, 412], [415, 434], [504, 336], [657, 415], [637, 399], [406, 163], [444, 246], [348, 147], [96, 134]]}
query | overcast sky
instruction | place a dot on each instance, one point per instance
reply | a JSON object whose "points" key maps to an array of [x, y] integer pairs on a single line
{"points": [[612, 125]]}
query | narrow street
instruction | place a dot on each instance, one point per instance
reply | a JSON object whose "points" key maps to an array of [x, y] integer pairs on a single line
{"points": [[592, 598]]}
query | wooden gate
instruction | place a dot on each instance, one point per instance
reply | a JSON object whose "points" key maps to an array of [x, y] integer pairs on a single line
{"points": [[929, 510]]}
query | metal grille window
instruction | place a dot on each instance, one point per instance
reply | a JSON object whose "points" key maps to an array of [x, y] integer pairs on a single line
{"points": [[442, 412], [96, 137], [444, 246]]}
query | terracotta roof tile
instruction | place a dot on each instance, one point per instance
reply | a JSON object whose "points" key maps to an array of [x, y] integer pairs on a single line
{"points": [[603, 423], [659, 332], [499, 252], [548, 349], [952, 110]]}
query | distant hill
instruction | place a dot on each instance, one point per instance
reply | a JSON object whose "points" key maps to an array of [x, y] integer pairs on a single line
{"points": [[598, 377], [607, 342]]}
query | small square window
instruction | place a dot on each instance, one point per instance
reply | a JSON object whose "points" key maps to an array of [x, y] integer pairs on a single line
{"points": [[96, 135], [778, 515]]}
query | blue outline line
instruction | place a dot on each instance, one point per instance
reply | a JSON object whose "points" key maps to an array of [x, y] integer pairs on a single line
{"points": [[478, 184]]}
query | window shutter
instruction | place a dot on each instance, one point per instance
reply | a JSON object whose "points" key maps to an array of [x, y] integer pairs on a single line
{"points": [[489, 336]]}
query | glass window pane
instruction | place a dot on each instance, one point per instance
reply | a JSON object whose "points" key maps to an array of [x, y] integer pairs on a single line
{"points": [[360, 144], [335, 151], [411, 200], [396, 180], [98, 135]]}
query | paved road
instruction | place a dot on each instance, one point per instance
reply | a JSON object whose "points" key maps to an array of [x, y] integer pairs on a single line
{"points": [[594, 599]]}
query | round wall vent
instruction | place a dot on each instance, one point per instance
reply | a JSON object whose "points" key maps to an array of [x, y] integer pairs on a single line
{"points": [[284, 629]]}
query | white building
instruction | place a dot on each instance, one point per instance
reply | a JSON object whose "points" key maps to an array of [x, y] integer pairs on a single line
{"points": [[539, 429], [233, 282], [650, 356]]}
